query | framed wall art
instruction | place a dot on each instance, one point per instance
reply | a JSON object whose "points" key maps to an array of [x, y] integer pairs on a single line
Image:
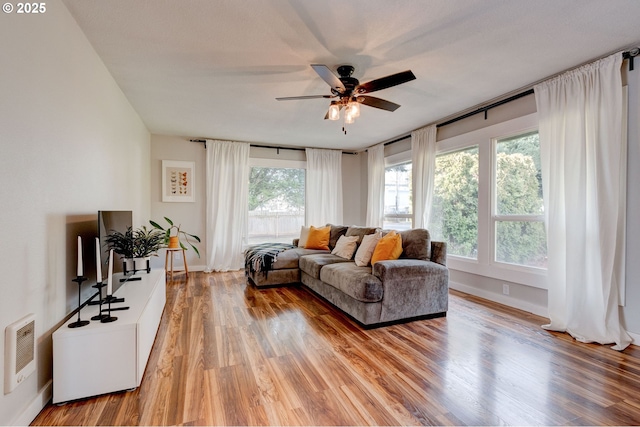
{"points": [[178, 181]]}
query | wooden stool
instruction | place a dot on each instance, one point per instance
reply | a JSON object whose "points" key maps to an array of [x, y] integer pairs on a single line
{"points": [[170, 252]]}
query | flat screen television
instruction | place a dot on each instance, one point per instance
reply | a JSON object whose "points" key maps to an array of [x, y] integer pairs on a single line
{"points": [[109, 221]]}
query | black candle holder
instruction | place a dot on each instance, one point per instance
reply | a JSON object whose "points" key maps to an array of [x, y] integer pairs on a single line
{"points": [[108, 318], [99, 316], [79, 323]]}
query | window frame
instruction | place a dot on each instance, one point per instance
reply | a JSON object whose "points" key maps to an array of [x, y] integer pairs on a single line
{"points": [[495, 217], [485, 264]]}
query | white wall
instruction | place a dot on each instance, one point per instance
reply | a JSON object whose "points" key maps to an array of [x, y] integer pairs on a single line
{"points": [[71, 145], [190, 215]]}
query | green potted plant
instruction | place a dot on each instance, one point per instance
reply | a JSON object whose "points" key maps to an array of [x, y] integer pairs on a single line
{"points": [[172, 234], [135, 246]]}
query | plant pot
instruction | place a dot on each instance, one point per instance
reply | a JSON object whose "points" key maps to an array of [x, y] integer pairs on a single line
{"points": [[136, 264], [174, 242]]}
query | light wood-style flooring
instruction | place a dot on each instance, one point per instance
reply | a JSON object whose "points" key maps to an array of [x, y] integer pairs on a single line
{"points": [[227, 353]]}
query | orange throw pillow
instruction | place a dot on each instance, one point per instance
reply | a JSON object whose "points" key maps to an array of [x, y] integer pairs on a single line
{"points": [[389, 247], [318, 238]]}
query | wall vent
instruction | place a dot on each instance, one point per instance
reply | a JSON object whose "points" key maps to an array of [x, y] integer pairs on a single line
{"points": [[19, 350]]}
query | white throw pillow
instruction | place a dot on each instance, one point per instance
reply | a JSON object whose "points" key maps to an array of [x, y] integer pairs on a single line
{"points": [[345, 246], [304, 235], [365, 251]]}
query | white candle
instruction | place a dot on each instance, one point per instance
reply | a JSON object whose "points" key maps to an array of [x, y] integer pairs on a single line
{"points": [[109, 278], [79, 256], [98, 262]]}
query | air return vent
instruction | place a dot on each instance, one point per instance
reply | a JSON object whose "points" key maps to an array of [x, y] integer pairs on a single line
{"points": [[19, 352]]}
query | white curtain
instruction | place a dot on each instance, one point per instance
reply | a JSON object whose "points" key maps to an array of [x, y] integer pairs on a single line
{"points": [[584, 163], [324, 187], [423, 159], [375, 188], [227, 189]]}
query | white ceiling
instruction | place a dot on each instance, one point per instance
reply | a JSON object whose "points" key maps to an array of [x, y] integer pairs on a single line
{"points": [[213, 68]]}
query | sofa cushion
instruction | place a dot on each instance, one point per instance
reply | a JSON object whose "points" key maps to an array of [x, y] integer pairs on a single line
{"points": [[357, 282], [345, 247], [336, 232], [360, 232], [365, 251], [416, 244], [388, 248], [318, 238], [304, 235], [289, 258], [312, 264]]}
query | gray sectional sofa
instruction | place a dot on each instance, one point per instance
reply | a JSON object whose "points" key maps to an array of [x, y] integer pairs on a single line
{"points": [[415, 286]]}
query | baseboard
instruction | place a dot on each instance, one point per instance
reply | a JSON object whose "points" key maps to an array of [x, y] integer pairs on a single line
{"points": [[501, 299], [32, 410], [635, 337]]}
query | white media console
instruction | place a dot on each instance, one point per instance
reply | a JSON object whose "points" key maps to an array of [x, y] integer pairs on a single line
{"points": [[106, 357]]}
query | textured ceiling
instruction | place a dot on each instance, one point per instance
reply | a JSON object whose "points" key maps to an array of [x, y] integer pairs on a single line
{"points": [[213, 68]]}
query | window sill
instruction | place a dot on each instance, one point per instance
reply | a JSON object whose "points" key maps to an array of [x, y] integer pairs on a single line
{"points": [[536, 278]]}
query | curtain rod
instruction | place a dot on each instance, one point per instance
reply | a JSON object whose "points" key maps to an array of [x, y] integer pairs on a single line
{"points": [[202, 141], [487, 108], [471, 113], [630, 54]]}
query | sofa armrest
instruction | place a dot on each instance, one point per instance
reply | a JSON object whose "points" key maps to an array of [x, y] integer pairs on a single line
{"points": [[439, 252], [404, 269], [412, 288]]}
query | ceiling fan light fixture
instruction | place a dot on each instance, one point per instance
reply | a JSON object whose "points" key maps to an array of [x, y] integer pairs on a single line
{"points": [[334, 111], [348, 92], [353, 109], [348, 118]]}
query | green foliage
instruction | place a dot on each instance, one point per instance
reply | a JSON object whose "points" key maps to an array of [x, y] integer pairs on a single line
{"points": [[517, 185], [138, 243], [527, 145], [455, 202], [181, 234], [269, 184], [519, 242]]}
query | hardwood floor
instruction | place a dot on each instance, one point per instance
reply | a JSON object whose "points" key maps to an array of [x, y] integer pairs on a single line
{"points": [[230, 354]]}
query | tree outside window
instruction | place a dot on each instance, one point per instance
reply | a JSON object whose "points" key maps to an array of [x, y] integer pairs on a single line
{"points": [[276, 204], [519, 214], [454, 211]]}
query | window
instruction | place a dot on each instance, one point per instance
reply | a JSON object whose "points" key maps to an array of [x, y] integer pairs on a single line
{"points": [[398, 211], [276, 204], [518, 217], [454, 211], [487, 202]]}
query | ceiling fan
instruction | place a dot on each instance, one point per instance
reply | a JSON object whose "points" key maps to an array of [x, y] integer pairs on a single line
{"points": [[350, 93]]}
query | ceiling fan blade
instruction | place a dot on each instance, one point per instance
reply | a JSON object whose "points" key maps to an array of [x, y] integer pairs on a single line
{"points": [[291, 98], [382, 104], [385, 82], [332, 80]]}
